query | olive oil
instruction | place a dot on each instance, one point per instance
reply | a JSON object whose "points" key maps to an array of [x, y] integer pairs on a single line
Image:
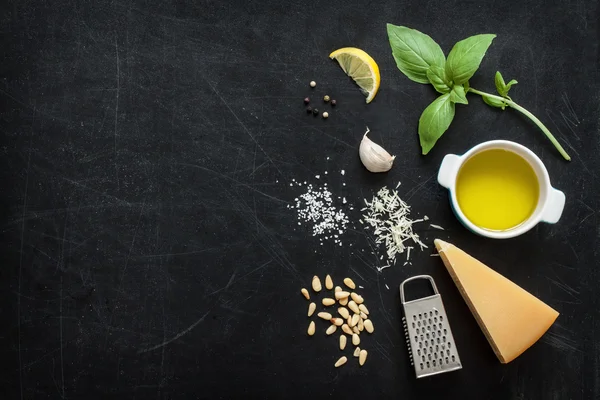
{"points": [[497, 189]]}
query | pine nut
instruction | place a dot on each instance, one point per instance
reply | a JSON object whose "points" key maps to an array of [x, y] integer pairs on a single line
{"points": [[341, 295], [347, 329], [344, 301], [341, 361], [352, 305], [337, 289], [316, 284], [350, 283], [355, 339], [328, 302], [311, 309], [337, 321], [328, 282], [305, 293], [363, 315], [357, 298], [362, 357], [325, 315], [361, 325], [331, 330], [343, 311], [363, 308], [311, 328], [355, 330], [349, 321], [369, 326], [356, 352], [343, 341], [354, 320]]}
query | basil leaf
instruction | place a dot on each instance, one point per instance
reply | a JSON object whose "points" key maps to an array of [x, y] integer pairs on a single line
{"points": [[458, 95], [490, 101], [414, 52], [434, 121], [509, 84], [437, 77], [500, 85], [465, 57]]}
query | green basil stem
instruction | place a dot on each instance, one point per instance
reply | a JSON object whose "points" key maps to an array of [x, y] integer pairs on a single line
{"points": [[529, 115]]}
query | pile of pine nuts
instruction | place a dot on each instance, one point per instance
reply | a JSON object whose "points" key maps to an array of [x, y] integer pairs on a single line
{"points": [[353, 315]]}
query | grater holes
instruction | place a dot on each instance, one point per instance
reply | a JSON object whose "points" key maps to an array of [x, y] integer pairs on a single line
{"points": [[437, 348], [440, 325], [419, 352], [445, 331], [441, 317], [431, 351], [427, 364], [416, 338], [434, 363], [421, 365], [438, 340], [414, 317], [449, 344], [423, 358], [441, 361], [446, 360], [422, 337], [420, 316], [419, 323], [429, 320], [448, 352], [435, 311], [444, 338], [453, 358], [420, 344], [435, 319], [417, 331], [426, 343], [440, 333], [433, 334], [427, 335], [424, 350], [413, 324]]}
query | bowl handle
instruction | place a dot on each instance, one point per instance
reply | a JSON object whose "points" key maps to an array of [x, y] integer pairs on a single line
{"points": [[554, 207], [447, 172]]}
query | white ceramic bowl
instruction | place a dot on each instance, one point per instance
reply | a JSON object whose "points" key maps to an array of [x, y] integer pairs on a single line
{"points": [[551, 201]]}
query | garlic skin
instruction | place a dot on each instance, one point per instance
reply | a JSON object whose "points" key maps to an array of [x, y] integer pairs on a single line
{"points": [[374, 157]]}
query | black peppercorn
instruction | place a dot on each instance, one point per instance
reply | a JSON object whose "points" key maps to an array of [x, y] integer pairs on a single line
{"points": [[333, 102], [306, 100], [308, 110], [315, 112]]}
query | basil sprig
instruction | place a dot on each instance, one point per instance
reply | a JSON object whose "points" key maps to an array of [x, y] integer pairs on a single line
{"points": [[422, 60]]}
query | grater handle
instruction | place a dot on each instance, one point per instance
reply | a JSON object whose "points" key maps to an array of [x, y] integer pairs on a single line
{"points": [[415, 278]]}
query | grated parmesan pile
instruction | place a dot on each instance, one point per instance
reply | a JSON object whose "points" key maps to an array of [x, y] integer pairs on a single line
{"points": [[316, 208], [388, 215]]}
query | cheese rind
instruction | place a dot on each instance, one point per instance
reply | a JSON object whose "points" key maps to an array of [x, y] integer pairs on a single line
{"points": [[511, 318]]}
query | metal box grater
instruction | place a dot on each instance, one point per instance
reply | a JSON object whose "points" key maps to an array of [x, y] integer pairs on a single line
{"points": [[428, 335]]}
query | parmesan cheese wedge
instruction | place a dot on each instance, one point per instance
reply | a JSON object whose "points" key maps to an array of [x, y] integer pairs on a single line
{"points": [[511, 318]]}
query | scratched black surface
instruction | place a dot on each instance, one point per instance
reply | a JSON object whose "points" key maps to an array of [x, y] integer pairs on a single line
{"points": [[147, 151]]}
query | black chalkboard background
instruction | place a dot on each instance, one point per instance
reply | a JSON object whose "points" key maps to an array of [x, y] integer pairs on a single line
{"points": [[148, 146]]}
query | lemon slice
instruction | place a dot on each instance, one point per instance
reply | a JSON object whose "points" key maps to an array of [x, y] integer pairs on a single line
{"points": [[361, 67]]}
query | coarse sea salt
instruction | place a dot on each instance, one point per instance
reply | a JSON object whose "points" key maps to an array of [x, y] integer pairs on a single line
{"points": [[316, 208]]}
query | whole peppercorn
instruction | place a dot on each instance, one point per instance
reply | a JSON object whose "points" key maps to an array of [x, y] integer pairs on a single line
{"points": [[308, 110], [306, 100], [326, 98], [315, 111], [313, 83], [333, 102], [325, 115]]}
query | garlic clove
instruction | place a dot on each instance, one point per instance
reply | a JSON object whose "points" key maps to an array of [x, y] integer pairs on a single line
{"points": [[374, 157]]}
